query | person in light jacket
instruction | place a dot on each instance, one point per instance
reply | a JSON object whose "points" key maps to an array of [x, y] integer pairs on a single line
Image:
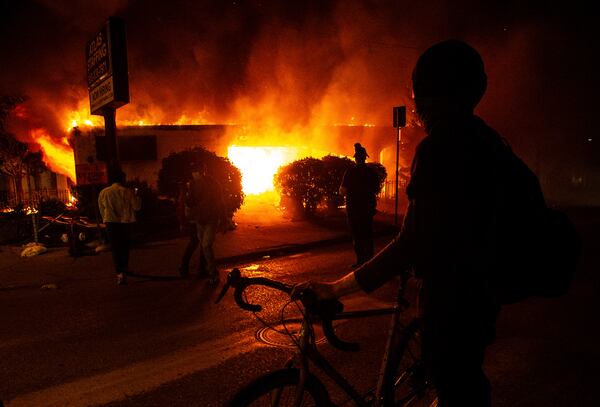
{"points": [[118, 205]]}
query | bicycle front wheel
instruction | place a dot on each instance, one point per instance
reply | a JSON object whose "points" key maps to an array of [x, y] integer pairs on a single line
{"points": [[279, 388], [411, 385]]}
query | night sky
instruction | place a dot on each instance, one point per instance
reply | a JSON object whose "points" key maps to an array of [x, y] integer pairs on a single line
{"points": [[315, 62]]}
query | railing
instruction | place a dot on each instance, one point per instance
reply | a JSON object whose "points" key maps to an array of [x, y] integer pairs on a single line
{"points": [[9, 199], [389, 189]]}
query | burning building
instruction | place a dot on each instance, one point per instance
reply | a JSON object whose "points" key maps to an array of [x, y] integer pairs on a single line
{"points": [[267, 82], [256, 154]]}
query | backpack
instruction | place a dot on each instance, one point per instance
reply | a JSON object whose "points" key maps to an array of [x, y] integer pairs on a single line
{"points": [[535, 248]]}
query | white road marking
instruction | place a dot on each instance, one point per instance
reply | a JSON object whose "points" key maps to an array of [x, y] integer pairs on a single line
{"points": [[140, 377]]}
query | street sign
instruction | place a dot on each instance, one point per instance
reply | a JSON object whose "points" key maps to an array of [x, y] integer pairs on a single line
{"points": [[399, 116], [89, 174], [107, 76], [102, 94]]}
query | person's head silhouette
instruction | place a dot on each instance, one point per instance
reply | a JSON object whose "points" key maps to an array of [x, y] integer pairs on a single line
{"points": [[360, 153], [448, 80], [117, 176]]}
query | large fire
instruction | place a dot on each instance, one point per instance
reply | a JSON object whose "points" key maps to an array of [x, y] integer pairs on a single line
{"points": [[57, 153], [259, 164]]}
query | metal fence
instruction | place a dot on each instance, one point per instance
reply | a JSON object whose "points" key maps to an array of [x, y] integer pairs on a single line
{"points": [[9, 199], [389, 189]]}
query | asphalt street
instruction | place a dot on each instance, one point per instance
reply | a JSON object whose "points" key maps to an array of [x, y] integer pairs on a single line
{"points": [[162, 341]]}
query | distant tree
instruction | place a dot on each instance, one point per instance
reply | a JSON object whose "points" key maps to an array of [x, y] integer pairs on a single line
{"points": [[34, 166], [12, 155], [176, 172], [16, 160]]}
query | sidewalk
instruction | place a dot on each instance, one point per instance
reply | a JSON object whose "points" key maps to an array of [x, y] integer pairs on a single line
{"points": [[261, 232]]}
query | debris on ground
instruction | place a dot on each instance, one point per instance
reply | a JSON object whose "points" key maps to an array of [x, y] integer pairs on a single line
{"points": [[94, 243], [33, 249], [49, 287], [102, 247]]}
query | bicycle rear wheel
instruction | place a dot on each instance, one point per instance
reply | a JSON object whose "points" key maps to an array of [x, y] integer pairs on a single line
{"points": [[278, 388], [411, 385]]}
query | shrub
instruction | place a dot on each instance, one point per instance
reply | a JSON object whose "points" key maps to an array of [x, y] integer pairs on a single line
{"points": [[301, 182], [381, 174], [306, 184], [335, 167]]}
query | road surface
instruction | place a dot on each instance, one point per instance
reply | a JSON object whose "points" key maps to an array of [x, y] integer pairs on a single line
{"points": [[165, 342]]}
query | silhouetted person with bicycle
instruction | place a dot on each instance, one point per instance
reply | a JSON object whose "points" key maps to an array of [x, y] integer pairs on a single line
{"points": [[360, 185], [443, 239]]}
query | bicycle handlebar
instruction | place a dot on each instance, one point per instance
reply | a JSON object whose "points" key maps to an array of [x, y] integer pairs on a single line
{"points": [[326, 310]]}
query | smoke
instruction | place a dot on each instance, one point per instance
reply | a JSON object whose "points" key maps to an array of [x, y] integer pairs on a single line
{"points": [[292, 65]]}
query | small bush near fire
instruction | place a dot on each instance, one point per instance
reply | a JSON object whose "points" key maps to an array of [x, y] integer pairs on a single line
{"points": [[335, 168], [175, 173], [301, 183], [309, 183]]}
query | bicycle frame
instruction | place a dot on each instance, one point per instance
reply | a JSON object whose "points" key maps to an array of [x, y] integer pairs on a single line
{"points": [[308, 352], [399, 335]]}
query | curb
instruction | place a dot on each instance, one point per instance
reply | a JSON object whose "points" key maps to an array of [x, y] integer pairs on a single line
{"points": [[278, 251]]}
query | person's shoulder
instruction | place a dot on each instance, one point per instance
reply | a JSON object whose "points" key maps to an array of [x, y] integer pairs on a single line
{"points": [[426, 146], [482, 128]]}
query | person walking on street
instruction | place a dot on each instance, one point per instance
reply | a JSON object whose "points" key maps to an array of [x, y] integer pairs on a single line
{"points": [[360, 185], [452, 199], [204, 209], [117, 205]]}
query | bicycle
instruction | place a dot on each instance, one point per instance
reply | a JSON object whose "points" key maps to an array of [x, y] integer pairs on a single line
{"points": [[402, 379]]}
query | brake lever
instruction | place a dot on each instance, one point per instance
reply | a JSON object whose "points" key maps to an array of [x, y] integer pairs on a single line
{"points": [[326, 310], [223, 292], [336, 342]]}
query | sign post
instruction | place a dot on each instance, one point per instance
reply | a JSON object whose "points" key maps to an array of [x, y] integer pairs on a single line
{"points": [[108, 82], [399, 122], [92, 173]]}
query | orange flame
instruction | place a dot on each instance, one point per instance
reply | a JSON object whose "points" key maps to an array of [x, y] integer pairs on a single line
{"points": [[57, 153], [259, 164], [268, 141]]}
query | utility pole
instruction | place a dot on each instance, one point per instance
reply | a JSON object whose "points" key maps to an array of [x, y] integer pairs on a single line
{"points": [[110, 132], [399, 122]]}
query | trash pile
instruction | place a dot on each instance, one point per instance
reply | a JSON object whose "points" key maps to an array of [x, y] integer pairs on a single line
{"points": [[33, 249]]}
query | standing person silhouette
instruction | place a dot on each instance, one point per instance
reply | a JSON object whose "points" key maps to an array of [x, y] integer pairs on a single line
{"points": [[205, 209], [360, 185], [117, 205], [443, 238]]}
